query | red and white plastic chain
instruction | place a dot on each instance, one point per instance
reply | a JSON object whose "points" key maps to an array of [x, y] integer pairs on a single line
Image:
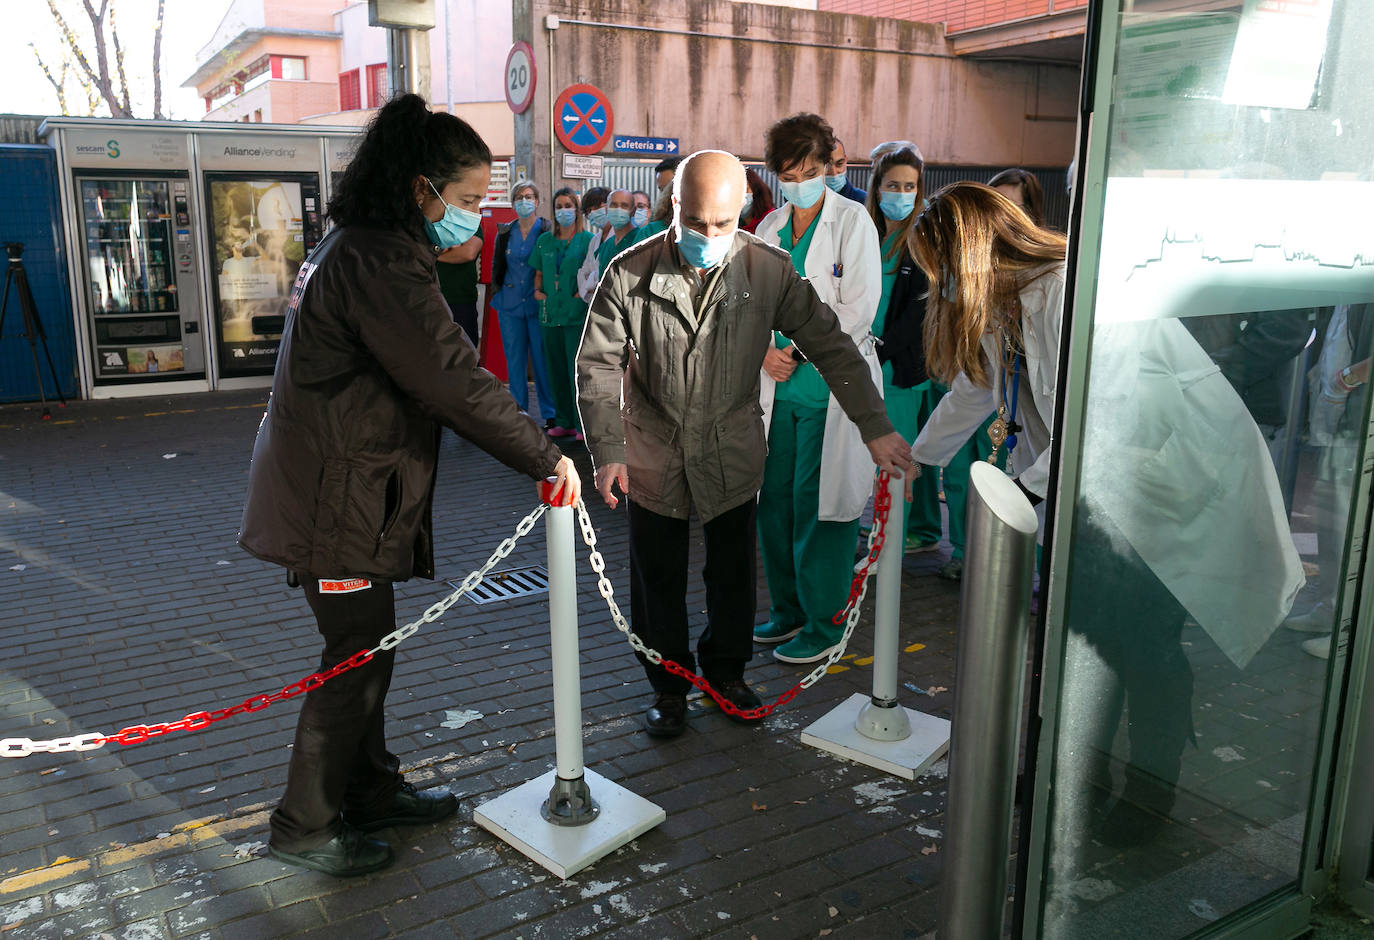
{"points": [[135, 734], [849, 616]]}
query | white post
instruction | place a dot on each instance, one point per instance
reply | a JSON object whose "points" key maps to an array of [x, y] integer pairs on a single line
{"points": [[567, 685], [882, 719]]}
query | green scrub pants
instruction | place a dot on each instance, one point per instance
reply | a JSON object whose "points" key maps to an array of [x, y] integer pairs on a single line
{"points": [[808, 563], [560, 353], [977, 447], [909, 409]]}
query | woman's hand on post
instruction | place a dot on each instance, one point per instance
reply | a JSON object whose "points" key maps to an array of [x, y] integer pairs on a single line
{"points": [[609, 474], [567, 485]]}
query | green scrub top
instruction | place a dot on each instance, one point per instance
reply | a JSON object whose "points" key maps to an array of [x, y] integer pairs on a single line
{"points": [[458, 282], [651, 229], [890, 266], [610, 248], [557, 262], [806, 387]]}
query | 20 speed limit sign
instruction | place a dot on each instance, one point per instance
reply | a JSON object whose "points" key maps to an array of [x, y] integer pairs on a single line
{"points": [[520, 77]]}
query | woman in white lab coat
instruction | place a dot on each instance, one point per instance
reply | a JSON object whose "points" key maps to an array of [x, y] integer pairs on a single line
{"points": [[1180, 511], [818, 475]]}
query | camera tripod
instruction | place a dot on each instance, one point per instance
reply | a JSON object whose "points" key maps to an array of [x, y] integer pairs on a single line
{"points": [[33, 327]]}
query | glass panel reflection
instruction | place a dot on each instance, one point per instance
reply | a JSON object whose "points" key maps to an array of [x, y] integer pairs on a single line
{"points": [[1226, 399]]}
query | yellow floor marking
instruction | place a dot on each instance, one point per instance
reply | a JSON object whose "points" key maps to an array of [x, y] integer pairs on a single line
{"points": [[865, 661], [915, 648], [850, 656], [834, 669], [189, 834]]}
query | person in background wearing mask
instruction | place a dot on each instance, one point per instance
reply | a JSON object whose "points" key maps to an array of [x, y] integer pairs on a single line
{"points": [[516, 308], [668, 383], [818, 476], [458, 277], [371, 365], [660, 218], [639, 216], [837, 176], [758, 202], [664, 172], [594, 212], [620, 234], [895, 197], [557, 257], [1023, 188]]}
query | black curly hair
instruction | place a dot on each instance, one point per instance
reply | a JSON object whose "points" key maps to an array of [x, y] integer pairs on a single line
{"points": [[791, 141], [404, 140]]}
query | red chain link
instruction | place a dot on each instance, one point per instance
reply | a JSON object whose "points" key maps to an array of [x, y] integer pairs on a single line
{"points": [[136, 734], [882, 504]]}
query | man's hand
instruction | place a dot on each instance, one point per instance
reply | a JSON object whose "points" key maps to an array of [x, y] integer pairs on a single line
{"points": [[567, 484], [892, 453], [612, 474], [779, 364], [540, 295]]}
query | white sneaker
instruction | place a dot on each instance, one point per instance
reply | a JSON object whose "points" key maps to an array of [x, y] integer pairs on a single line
{"points": [[1319, 647], [1316, 620]]}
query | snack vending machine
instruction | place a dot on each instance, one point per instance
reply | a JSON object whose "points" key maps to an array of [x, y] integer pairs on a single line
{"points": [[142, 290]]}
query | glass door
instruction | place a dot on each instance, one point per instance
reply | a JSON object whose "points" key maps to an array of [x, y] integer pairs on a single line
{"points": [[1210, 506]]}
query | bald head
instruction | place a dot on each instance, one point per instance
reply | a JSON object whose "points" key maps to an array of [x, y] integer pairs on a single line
{"points": [[708, 192]]}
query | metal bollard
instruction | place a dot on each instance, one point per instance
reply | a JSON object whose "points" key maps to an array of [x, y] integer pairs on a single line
{"points": [[570, 802], [881, 718], [994, 622]]}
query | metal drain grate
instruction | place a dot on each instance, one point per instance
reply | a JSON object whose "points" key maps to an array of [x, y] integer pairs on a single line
{"points": [[508, 585]]}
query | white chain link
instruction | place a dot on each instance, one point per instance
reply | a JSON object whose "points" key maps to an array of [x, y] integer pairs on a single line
{"points": [[603, 584], [23, 747]]}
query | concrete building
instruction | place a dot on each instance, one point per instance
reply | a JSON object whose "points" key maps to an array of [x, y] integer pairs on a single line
{"points": [[1050, 30], [714, 73]]}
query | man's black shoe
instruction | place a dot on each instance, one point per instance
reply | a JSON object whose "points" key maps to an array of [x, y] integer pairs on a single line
{"points": [[741, 696], [348, 854], [667, 717], [408, 807]]}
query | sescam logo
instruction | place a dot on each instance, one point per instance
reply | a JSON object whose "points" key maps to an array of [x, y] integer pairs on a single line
{"points": [[287, 152], [110, 149]]}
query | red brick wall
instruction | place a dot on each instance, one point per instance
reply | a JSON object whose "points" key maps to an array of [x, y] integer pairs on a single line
{"points": [[955, 14]]}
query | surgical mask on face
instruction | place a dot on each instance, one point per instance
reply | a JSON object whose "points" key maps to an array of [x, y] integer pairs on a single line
{"points": [[896, 206], [701, 251], [597, 217], [836, 181], [619, 218], [805, 194], [748, 205], [456, 227], [640, 217], [565, 216], [524, 206]]}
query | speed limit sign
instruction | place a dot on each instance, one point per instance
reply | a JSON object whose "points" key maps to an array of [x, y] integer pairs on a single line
{"points": [[520, 77]]}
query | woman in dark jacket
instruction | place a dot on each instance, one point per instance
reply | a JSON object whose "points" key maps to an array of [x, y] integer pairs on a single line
{"points": [[342, 477]]}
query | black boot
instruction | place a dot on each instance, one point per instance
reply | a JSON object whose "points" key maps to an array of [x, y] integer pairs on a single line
{"points": [[348, 854], [667, 717]]}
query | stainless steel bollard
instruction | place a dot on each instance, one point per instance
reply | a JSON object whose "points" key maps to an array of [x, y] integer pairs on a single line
{"points": [[994, 621]]}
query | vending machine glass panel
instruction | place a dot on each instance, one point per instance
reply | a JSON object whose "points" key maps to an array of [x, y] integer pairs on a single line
{"points": [[261, 229]]}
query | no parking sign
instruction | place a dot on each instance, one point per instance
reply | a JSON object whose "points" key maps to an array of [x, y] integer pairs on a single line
{"points": [[582, 119]]}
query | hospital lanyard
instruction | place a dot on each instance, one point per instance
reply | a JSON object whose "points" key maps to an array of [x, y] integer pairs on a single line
{"points": [[1004, 426]]}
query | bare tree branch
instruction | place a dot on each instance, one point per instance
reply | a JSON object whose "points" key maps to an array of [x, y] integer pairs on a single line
{"points": [[119, 64], [70, 39], [157, 60], [58, 86]]}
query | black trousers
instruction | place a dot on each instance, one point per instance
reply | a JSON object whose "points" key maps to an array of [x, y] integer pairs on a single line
{"points": [[340, 760], [465, 315], [658, 593]]}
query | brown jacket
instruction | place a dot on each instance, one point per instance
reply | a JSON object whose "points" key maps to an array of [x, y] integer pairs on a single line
{"points": [[668, 380], [371, 364]]}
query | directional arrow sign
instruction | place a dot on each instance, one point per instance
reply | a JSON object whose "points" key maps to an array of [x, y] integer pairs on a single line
{"points": [[664, 145]]}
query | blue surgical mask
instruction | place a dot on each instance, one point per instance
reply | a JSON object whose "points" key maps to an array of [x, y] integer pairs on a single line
{"points": [[640, 217], [896, 206], [701, 251], [565, 216], [619, 218], [805, 194], [597, 217], [456, 227], [836, 181], [524, 207], [748, 205]]}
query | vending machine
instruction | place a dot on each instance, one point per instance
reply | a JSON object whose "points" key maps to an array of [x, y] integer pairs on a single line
{"points": [[261, 227]]}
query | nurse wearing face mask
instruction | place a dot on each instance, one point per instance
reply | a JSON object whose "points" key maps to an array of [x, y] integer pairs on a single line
{"points": [[516, 308], [837, 175], [622, 233], [557, 257], [895, 198], [818, 475]]}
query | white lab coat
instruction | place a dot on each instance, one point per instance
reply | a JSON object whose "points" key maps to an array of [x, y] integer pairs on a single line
{"points": [[845, 235], [1170, 455], [590, 273]]}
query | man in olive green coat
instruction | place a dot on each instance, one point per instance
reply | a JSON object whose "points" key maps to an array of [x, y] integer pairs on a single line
{"points": [[668, 388]]}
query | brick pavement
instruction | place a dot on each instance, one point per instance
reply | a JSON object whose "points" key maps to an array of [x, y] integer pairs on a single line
{"points": [[135, 605]]}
